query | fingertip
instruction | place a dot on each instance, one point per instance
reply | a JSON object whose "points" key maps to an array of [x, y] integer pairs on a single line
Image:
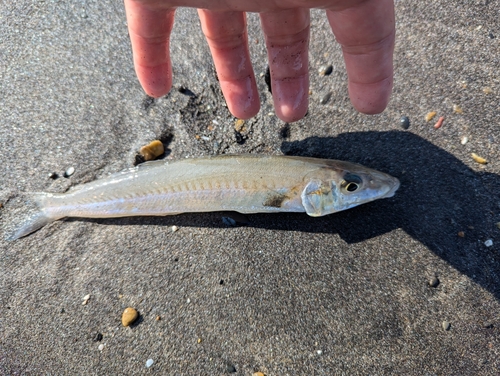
{"points": [[155, 81], [291, 98], [370, 99]]}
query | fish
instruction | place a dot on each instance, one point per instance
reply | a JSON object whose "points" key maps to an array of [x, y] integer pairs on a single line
{"points": [[244, 183]]}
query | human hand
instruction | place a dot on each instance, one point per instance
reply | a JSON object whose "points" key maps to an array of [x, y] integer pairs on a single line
{"points": [[364, 28]]}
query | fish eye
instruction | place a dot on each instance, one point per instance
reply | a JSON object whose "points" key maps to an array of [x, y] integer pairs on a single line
{"points": [[351, 182], [351, 187]]}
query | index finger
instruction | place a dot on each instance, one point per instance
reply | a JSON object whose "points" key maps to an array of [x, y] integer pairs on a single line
{"points": [[149, 28], [366, 32]]}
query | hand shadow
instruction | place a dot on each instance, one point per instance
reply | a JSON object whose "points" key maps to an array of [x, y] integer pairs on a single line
{"points": [[439, 198]]}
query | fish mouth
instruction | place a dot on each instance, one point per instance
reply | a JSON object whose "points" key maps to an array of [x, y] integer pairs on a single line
{"points": [[394, 183]]}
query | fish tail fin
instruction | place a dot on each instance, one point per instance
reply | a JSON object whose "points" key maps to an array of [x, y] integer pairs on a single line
{"points": [[37, 216]]}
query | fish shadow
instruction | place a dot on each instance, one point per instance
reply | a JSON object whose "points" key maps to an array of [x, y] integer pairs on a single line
{"points": [[442, 203]]}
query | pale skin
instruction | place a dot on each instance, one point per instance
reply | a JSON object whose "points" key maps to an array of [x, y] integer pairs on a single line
{"points": [[365, 29]]}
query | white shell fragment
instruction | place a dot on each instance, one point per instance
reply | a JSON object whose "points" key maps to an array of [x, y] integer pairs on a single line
{"points": [[488, 243], [149, 362]]}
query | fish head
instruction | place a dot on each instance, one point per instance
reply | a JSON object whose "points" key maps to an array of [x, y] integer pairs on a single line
{"points": [[346, 188]]}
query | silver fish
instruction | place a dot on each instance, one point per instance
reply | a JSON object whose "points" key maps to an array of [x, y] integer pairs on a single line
{"points": [[242, 183]]}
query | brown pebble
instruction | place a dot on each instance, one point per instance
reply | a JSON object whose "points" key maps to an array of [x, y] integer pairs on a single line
{"points": [[258, 374], [239, 125], [199, 340], [430, 116], [478, 159], [129, 316], [461, 234], [152, 151], [158, 318]]}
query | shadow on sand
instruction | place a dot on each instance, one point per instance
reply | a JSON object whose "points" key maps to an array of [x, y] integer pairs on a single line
{"points": [[439, 197]]}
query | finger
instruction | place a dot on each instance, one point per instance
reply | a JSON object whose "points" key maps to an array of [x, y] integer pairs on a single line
{"points": [[287, 40], [226, 35], [149, 30], [366, 33]]}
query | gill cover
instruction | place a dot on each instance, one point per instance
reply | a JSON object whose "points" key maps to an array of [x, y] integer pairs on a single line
{"points": [[318, 198]]}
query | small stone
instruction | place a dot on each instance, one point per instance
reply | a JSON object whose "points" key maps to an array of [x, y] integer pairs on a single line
{"points": [[319, 352], [430, 115], [228, 221], [239, 125], [457, 109], [461, 234], [446, 325], [152, 150], [325, 98], [258, 374], [149, 363], [199, 340], [70, 171], [129, 316], [487, 90], [487, 325], [464, 140], [188, 301], [231, 368], [434, 282], [97, 337], [326, 70], [221, 282], [488, 243], [404, 122], [53, 175], [158, 318], [86, 299], [174, 228], [101, 347], [478, 159]]}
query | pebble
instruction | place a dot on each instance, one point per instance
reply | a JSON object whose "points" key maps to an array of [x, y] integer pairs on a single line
{"points": [[439, 123], [199, 340], [319, 352], [488, 243], [446, 325], [461, 234], [457, 109], [325, 98], [258, 374], [404, 122], [487, 90], [239, 125], [53, 175], [129, 316], [430, 115], [434, 282], [174, 228], [86, 299], [98, 337], [231, 368], [478, 159], [101, 347], [149, 362], [464, 140], [326, 70], [152, 150], [228, 221], [158, 318], [70, 171]]}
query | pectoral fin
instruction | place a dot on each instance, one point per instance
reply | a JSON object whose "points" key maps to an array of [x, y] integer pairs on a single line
{"points": [[316, 197]]}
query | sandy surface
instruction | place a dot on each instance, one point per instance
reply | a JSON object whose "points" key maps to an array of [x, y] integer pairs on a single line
{"points": [[286, 294]]}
